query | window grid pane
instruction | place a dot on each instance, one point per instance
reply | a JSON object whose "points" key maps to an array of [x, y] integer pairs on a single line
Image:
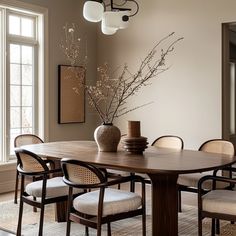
{"points": [[14, 25], [27, 27], [21, 26], [21, 91]]}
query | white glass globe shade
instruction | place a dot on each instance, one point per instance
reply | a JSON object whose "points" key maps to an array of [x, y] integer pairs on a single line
{"points": [[93, 11], [113, 19], [108, 30]]}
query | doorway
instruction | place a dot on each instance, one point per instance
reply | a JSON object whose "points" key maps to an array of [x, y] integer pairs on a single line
{"points": [[229, 82]]}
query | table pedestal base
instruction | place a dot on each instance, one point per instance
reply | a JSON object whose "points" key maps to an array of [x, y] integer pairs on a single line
{"points": [[165, 205]]}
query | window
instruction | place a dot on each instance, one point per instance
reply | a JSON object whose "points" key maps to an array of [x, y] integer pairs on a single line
{"points": [[21, 83]]}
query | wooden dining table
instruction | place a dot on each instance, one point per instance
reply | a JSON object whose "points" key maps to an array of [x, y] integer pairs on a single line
{"points": [[162, 165]]}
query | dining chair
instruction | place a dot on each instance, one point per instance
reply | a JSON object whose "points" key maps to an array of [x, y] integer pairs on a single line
{"points": [[103, 204], [189, 182], [165, 141], [217, 204], [46, 190], [169, 141], [25, 139]]}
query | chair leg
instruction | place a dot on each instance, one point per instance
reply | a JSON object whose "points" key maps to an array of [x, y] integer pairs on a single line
{"points": [[109, 229], [86, 231], [179, 201], [200, 228], [144, 223], [18, 233], [213, 227], [41, 220], [199, 223], [34, 198], [132, 184], [68, 225], [16, 187], [34, 208], [217, 226], [99, 229]]}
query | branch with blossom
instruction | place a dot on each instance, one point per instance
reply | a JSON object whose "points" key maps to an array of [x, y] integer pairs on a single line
{"points": [[110, 94], [70, 44], [112, 89]]}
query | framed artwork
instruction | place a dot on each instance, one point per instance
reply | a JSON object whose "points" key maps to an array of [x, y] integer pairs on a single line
{"points": [[71, 94]]}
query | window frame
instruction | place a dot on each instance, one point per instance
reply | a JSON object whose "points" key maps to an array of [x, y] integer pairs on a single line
{"points": [[41, 72]]}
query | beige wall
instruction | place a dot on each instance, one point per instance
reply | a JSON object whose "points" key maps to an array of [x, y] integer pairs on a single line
{"points": [[187, 98], [61, 12]]}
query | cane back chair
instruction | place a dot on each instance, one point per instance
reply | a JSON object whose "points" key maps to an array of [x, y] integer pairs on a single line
{"points": [[165, 141], [169, 141], [102, 205], [189, 182], [217, 204], [46, 190], [25, 139]]}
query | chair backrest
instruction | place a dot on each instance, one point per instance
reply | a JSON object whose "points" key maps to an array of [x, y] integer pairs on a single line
{"points": [[218, 146], [80, 174], [29, 162], [25, 139], [169, 141]]}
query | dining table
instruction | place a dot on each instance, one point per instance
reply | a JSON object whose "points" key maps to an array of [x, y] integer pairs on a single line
{"points": [[162, 165]]}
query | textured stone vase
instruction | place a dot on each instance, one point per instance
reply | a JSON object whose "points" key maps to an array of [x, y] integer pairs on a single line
{"points": [[107, 137]]}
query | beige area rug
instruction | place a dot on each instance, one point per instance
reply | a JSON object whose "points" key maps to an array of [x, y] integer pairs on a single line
{"points": [[130, 227]]}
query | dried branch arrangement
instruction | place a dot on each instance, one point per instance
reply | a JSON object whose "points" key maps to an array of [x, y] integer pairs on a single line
{"points": [[112, 89], [70, 45]]}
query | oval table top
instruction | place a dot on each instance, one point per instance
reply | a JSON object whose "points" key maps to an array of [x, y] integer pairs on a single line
{"points": [[153, 160], [161, 164]]}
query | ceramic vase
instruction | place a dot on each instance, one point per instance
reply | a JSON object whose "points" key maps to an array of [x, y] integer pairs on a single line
{"points": [[107, 137]]}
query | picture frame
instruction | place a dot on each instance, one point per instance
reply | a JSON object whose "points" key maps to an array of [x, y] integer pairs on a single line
{"points": [[71, 94]]}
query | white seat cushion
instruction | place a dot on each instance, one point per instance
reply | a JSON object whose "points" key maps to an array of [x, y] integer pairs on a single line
{"points": [[191, 180], [220, 201], [55, 188], [115, 201]]}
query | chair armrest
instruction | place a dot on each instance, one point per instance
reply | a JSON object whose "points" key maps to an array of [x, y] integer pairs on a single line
{"points": [[107, 183], [39, 173], [214, 178], [121, 180]]}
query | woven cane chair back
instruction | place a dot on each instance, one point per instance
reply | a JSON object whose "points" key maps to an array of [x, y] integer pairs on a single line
{"points": [[30, 162], [25, 139], [169, 141], [81, 175], [218, 146]]}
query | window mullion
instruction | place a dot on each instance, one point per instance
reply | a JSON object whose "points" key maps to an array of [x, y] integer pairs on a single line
{"points": [[3, 98], [21, 88]]}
